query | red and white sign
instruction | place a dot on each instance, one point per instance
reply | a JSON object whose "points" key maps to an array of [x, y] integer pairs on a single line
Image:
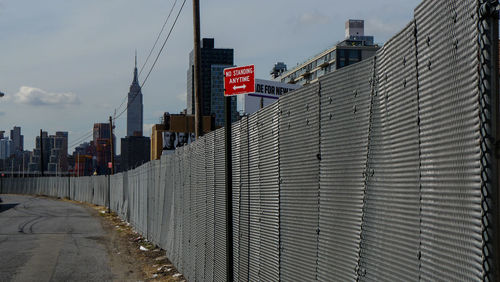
{"points": [[110, 165], [239, 80]]}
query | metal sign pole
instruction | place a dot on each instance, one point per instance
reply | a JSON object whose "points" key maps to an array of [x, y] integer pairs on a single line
{"points": [[229, 189]]}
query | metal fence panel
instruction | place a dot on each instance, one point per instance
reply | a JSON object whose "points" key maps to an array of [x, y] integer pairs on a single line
{"points": [[178, 178], [449, 134], [390, 244], [201, 208], [168, 187], [299, 192], [235, 149], [210, 206], [269, 192], [244, 210], [220, 207], [254, 198], [345, 111]]}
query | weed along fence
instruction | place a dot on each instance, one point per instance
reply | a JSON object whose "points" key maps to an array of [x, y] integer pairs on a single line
{"points": [[383, 170]]}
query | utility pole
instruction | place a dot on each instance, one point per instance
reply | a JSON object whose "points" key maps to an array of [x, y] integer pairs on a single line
{"points": [[41, 153], [112, 147], [112, 162], [198, 94], [77, 164]]}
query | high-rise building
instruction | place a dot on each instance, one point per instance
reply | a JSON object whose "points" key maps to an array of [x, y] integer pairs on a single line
{"points": [[135, 151], [217, 98], [102, 144], [209, 56], [134, 106], [5, 148], [355, 48], [17, 140], [55, 153]]}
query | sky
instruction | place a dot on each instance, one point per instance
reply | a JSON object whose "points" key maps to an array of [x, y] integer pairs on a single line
{"points": [[67, 64]]}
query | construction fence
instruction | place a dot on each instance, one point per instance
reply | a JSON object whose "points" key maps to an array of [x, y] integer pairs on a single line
{"points": [[383, 170]]}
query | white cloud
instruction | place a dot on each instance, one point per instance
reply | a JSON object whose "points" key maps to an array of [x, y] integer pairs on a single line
{"points": [[38, 97]]}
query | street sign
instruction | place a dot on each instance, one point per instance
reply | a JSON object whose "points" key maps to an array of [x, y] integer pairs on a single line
{"points": [[239, 80], [110, 165]]}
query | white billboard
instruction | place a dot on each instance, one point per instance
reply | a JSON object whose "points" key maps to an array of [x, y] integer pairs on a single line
{"points": [[266, 90]]}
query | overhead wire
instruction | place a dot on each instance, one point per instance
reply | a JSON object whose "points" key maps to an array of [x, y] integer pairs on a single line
{"points": [[155, 61], [151, 51], [80, 139], [158, 37]]}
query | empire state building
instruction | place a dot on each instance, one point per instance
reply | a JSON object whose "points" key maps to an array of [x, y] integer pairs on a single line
{"points": [[134, 107]]}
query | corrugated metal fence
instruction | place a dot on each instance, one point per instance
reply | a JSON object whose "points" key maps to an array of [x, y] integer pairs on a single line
{"points": [[379, 171]]}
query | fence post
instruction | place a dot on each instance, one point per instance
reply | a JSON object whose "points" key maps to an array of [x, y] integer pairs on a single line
{"points": [[69, 186], [109, 194], [490, 136], [229, 192]]}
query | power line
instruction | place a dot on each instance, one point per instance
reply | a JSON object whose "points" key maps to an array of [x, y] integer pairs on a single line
{"points": [[154, 63], [150, 52], [80, 139], [164, 43], [152, 49], [158, 37]]}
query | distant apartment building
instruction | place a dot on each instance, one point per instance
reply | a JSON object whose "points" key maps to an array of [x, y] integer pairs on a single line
{"points": [[135, 152], [102, 143], [82, 159], [17, 140], [213, 61], [355, 48], [54, 152], [5, 148]]}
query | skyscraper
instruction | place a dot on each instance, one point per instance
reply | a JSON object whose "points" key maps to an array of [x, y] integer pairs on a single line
{"points": [[210, 57], [134, 107], [102, 144], [17, 140]]}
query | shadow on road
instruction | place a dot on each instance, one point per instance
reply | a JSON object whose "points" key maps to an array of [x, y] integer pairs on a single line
{"points": [[5, 207]]}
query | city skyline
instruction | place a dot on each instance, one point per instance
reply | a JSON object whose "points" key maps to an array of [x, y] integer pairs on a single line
{"points": [[49, 72]]}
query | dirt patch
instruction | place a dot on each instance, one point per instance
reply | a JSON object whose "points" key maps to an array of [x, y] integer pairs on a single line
{"points": [[132, 257], [126, 244]]}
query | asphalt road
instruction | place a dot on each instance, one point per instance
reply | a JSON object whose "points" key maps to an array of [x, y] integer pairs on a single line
{"points": [[44, 239]]}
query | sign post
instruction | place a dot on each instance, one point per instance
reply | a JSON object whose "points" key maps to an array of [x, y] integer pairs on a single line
{"points": [[238, 80]]}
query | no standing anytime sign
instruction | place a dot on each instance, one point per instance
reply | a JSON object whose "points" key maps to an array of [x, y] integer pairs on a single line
{"points": [[239, 80]]}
